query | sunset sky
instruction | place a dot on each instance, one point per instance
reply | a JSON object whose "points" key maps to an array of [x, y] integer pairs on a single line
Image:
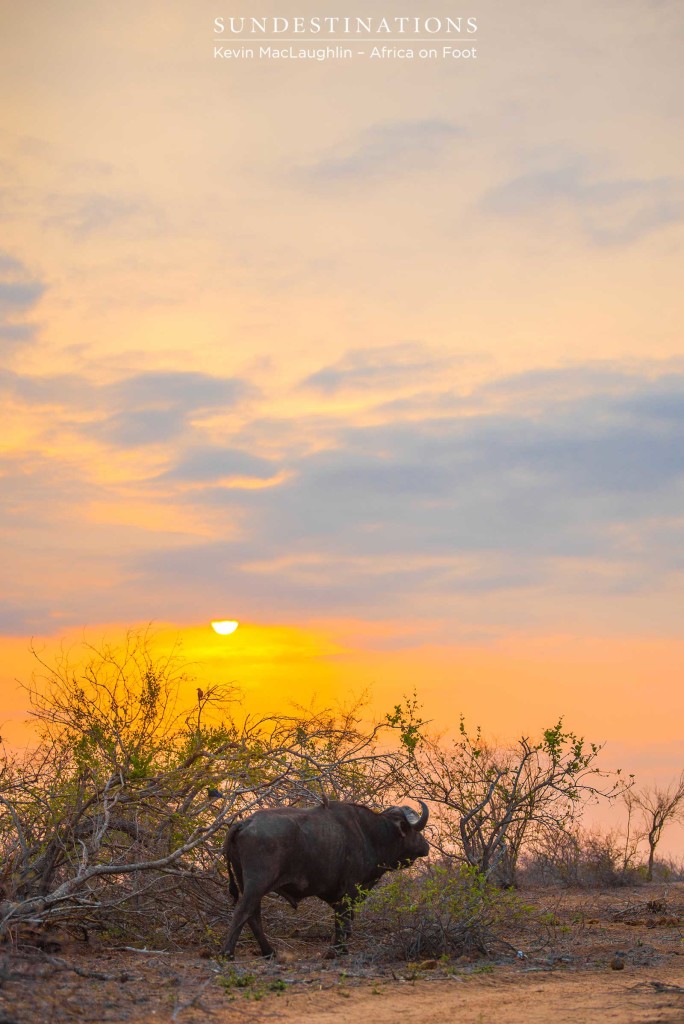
{"points": [[382, 359]]}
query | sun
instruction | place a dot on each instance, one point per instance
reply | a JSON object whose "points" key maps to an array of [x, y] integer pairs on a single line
{"points": [[224, 627]]}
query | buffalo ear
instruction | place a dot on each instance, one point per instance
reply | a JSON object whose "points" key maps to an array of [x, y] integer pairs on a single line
{"points": [[402, 824]]}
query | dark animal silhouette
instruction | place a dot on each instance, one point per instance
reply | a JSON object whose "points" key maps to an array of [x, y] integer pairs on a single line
{"points": [[337, 851]]}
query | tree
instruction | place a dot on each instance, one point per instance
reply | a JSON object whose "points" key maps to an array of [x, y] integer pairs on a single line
{"points": [[657, 806], [495, 799], [120, 808]]}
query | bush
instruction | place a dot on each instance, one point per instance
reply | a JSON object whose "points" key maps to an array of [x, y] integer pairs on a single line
{"points": [[667, 869], [439, 910], [114, 820], [591, 858]]}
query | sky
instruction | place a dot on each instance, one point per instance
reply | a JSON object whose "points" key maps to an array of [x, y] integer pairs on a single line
{"points": [[381, 358]]}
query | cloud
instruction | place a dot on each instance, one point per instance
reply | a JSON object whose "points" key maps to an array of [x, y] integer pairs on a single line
{"points": [[66, 390], [144, 408], [544, 483], [64, 544], [394, 366], [202, 465], [23, 620], [152, 408], [183, 389], [241, 574], [577, 471], [19, 296], [85, 214], [388, 149], [20, 292], [664, 403], [37, 490], [133, 428], [611, 211]]}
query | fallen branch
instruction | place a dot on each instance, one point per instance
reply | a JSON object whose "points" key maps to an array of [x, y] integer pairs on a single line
{"points": [[659, 986], [134, 949], [62, 965]]}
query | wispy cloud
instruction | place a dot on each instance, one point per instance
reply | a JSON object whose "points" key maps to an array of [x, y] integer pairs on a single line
{"points": [[207, 464], [549, 480], [145, 408], [19, 619], [85, 214], [611, 211], [463, 504], [20, 292], [388, 149], [156, 407], [391, 367]]}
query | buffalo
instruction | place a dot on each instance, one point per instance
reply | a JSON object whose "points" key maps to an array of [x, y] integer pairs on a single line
{"points": [[336, 851]]}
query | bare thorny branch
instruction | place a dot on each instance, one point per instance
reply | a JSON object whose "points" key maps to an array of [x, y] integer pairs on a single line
{"points": [[126, 782]]}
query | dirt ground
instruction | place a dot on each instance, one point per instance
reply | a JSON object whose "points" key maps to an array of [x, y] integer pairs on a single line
{"points": [[610, 956]]}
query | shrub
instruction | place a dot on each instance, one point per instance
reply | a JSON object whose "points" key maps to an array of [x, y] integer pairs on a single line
{"points": [[439, 910], [667, 869], [114, 820], [591, 858]]}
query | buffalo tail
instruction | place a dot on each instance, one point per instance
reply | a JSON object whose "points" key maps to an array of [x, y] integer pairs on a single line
{"points": [[232, 884]]}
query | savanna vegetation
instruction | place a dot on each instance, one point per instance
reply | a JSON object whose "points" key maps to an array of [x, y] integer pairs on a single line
{"points": [[111, 824]]}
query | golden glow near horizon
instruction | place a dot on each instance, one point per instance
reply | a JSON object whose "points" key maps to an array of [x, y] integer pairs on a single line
{"points": [[224, 627]]}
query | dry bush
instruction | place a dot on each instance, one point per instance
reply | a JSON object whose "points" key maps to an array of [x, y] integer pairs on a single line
{"points": [[553, 861], [585, 858], [602, 861], [438, 910], [668, 869], [114, 821]]}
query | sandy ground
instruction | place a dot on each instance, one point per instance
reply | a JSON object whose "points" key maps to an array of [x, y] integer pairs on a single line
{"points": [[569, 976], [523, 999], [508, 995]]}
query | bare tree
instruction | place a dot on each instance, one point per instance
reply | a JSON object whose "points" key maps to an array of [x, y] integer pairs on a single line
{"points": [[128, 791], [656, 806], [494, 800]]}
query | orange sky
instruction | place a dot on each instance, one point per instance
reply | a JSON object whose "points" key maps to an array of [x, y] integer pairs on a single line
{"points": [[382, 359]]}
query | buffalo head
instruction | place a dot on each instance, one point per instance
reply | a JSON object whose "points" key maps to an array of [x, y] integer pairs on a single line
{"points": [[410, 826]]}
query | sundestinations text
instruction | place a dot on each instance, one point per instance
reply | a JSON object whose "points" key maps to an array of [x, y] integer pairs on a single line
{"points": [[344, 26]]}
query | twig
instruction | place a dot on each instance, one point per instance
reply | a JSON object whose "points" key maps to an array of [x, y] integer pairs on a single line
{"points": [[193, 1001], [134, 949], [659, 986]]}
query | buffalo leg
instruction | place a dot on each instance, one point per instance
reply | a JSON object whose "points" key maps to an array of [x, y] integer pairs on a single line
{"points": [[246, 908], [257, 927], [344, 915]]}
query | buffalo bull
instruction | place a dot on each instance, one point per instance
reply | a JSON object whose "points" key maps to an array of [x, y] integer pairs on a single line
{"points": [[336, 851]]}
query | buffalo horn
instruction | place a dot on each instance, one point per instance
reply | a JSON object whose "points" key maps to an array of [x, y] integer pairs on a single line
{"points": [[419, 821], [422, 821]]}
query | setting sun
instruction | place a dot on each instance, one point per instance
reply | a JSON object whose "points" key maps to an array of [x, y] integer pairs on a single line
{"points": [[225, 627]]}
